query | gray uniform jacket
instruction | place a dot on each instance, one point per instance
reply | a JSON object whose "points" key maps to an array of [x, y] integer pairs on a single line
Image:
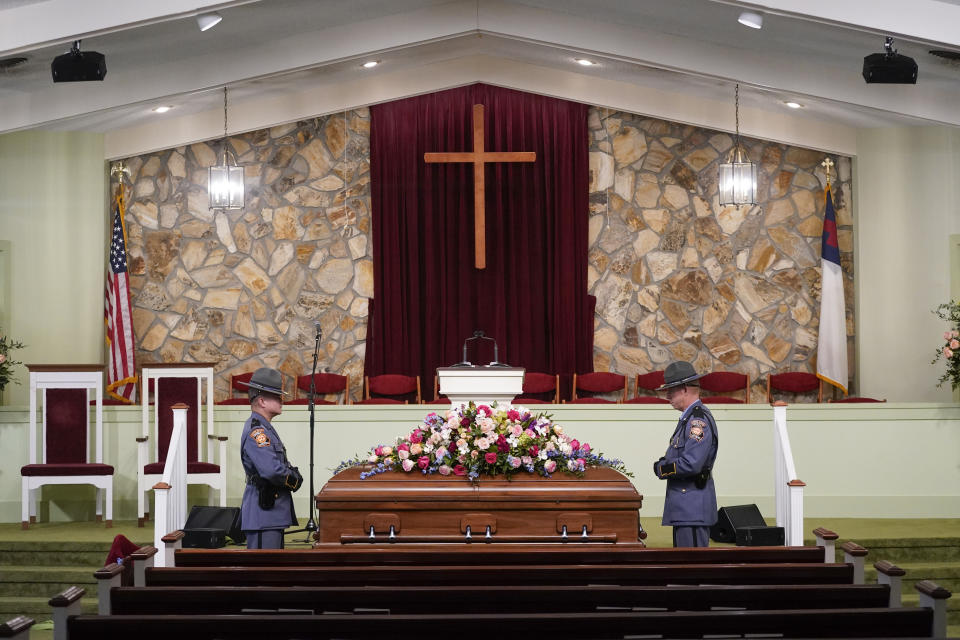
{"points": [[692, 447], [263, 454]]}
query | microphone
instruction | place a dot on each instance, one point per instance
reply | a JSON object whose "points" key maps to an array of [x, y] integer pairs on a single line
{"points": [[316, 325]]}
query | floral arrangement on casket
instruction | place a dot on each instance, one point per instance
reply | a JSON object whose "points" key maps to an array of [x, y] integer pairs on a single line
{"points": [[480, 440]]}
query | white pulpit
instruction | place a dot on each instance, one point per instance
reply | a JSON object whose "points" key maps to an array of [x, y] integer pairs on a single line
{"points": [[480, 385]]}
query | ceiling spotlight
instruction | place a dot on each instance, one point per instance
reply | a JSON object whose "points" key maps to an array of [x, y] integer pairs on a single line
{"points": [[583, 62], [889, 67], [370, 64], [793, 105], [78, 66], [208, 20], [751, 19], [162, 109]]}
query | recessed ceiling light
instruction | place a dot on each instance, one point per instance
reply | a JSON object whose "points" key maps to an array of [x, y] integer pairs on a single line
{"points": [[583, 62], [208, 20], [793, 105], [370, 64], [162, 109], [751, 19]]}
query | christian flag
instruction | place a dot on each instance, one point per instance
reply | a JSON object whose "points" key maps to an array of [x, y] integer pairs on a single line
{"points": [[121, 370], [832, 343]]}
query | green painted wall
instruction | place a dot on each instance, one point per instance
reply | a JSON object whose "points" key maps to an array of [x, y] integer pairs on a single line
{"points": [[53, 215], [907, 206]]}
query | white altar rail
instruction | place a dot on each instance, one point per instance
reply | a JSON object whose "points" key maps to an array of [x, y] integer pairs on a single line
{"points": [[170, 494], [788, 489]]}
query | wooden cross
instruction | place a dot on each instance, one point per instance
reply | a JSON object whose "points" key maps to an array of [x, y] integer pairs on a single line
{"points": [[479, 158]]}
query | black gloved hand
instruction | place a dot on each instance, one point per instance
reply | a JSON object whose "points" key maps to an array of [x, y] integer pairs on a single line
{"points": [[656, 465], [294, 480]]}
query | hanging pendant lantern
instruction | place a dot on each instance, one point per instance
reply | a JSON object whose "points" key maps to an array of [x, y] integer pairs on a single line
{"points": [[225, 180], [738, 176]]}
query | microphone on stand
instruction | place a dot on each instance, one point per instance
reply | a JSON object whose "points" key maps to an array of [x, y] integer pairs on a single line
{"points": [[480, 335], [316, 325]]}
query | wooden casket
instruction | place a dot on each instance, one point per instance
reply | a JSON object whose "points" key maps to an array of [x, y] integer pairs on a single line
{"points": [[397, 507]]}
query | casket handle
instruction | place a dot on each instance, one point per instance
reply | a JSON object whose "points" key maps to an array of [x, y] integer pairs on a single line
{"points": [[582, 522], [375, 523]]}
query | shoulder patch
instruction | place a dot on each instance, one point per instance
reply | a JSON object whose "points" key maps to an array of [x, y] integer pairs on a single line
{"points": [[696, 429], [259, 436]]}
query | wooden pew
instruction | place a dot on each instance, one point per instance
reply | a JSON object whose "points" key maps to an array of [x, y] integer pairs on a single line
{"points": [[480, 554], [807, 623], [387, 575], [17, 628], [506, 598]]}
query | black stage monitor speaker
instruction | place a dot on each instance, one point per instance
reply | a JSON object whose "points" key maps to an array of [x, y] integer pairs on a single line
{"points": [[207, 527], [729, 519], [760, 536]]}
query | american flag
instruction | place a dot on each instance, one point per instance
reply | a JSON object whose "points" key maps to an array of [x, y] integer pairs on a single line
{"points": [[121, 369]]}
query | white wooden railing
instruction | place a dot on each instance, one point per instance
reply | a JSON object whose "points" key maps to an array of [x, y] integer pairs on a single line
{"points": [[170, 494], [788, 489]]}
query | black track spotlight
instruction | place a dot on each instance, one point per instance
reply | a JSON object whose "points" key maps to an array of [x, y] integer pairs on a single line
{"points": [[889, 67], [78, 66]]}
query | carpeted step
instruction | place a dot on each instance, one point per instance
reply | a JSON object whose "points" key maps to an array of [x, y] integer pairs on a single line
{"points": [[38, 607], [945, 574], [953, 606], [44, 581], [53, 553], [901, 550]]}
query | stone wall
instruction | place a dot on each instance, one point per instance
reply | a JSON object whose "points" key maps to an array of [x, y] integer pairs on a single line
{"points": [[675, 275], [243, 289]]}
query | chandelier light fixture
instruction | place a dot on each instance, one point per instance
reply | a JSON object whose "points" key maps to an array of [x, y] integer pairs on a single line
{"points": [[225, 180], [738, 176]]}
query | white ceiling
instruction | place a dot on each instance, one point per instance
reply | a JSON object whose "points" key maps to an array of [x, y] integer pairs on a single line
{"points": [[810, 51]]}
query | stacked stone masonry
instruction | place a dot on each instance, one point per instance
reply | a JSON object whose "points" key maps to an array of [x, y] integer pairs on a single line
{"points": [[675, 275]]}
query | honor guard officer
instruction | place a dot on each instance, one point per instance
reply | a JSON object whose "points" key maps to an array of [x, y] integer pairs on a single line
{"points": [[267, 507], [690, 505]]}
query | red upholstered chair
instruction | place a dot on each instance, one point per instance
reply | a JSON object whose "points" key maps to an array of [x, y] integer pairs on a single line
{"points": [[794, 382], [324, 384], [587, 386], [725, 382], [649, 382], [437, 398], [856, 399], [391, 388], [67, 436], [191, 384], [539, 388], [236, 388]]}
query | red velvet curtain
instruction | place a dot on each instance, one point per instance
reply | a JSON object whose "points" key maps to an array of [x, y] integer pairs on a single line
{"points": [[428, 296]]}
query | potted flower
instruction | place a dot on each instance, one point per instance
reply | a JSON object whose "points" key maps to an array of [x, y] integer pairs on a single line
{"points": [[6, 362], [950, 351]]}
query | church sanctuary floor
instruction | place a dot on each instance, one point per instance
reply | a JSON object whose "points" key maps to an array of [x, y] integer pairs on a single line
{"points": [[50, 556]]}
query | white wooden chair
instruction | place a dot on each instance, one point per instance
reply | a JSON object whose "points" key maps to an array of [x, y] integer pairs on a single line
{"points": [[66, 436], [164, 385]]}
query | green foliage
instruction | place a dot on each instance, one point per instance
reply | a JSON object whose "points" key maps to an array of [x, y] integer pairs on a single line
{"points": [[950, 351], [6, 362]]}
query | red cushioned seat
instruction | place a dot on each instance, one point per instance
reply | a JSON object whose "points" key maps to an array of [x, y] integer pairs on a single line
{"points": [[394, 386], [67, 469], [588, 386], [649, 382], [647, 400], [725, 382], [324, 384], [192, 467], [237, 385], [794, 382]]}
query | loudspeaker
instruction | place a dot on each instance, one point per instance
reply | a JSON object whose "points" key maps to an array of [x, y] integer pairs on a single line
{"points": [[760, 536], [729, 519], [207, 527]]}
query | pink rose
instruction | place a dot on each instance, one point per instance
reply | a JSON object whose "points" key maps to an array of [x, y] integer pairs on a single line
{"points": [[416, 449], [585, 447], [947, 353], [378, 451], [581, 463], [526, 460], [423, 462], [955, 344], [460, 470], [373, 458], [534, 450], [386, 451], [407, 464], [514, 462], [416, 436], [513, 415], [403, 454], [403, 447], [485, 410], [491, 458], [947, 335], [550, 466], [444, 470], [531, 433], [574, 444], [474, 454], [3, 358]]}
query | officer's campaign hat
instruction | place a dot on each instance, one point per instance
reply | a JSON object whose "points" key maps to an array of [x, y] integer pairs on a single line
{"points": [[679, 373], [267, 380]]}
